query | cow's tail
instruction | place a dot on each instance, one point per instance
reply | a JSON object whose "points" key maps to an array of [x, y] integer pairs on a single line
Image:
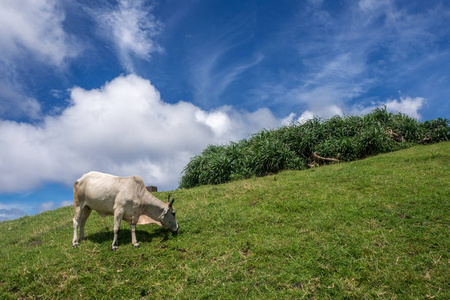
{"points": [[76, 200]]}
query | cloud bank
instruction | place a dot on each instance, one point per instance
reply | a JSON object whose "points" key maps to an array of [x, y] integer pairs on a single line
{"points": [[123, 128]]}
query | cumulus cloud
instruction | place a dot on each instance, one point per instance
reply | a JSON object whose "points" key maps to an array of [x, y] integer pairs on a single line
{"points": [[407, 105], [122, 128], [132, 28]]}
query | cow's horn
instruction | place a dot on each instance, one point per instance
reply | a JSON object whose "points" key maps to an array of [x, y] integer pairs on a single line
{"points": [[171, 202], [168, 198]]}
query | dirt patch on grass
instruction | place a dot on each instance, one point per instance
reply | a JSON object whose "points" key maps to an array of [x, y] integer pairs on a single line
{"points": [[35, 243]]}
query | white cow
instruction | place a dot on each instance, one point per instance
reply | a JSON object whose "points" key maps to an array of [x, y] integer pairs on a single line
{"points": [[123, 197]]}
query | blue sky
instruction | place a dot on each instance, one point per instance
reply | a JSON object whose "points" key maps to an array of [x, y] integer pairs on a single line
{"points": [[136, 87]]}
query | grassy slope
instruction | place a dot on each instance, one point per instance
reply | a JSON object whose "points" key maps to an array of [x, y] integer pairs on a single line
{"points": [[373, 228]]}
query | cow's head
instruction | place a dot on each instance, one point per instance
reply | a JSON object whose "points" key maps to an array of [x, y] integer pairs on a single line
{"points": [[168, 220]]}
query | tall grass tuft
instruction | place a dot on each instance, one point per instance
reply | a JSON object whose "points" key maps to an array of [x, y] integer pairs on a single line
{"points": [[292, 147]]}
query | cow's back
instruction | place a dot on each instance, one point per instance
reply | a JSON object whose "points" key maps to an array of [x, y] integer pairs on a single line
{"points": [[99, 191]]}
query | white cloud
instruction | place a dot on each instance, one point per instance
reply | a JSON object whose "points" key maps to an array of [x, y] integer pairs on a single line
{"points": [[132, 28], [326, 112], [406, 105], [123, 128], [12, 207], [346, 57], [218, 121], [31, 33], [212, 72], [34, 27], [288, 120], [211, 80], [306, 115], [16, 106], [12, 211], [50, 205], [66, 203], [372, 5], [46, 206], [344, 66]]}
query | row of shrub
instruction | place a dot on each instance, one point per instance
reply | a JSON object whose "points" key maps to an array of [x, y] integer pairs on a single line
{"points": [[292, 147]]}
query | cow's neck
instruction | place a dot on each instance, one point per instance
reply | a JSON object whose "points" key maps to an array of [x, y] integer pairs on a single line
{"points": [[153, 207]]}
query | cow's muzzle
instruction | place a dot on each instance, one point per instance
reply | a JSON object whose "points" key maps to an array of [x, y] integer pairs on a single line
{"points": [[175, 232]]}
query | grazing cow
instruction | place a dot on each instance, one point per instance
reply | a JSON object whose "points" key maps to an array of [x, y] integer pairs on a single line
{"points": [[123, 197]]}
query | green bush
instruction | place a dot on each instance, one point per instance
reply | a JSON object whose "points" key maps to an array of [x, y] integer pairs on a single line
{"points": [[291, 147]]}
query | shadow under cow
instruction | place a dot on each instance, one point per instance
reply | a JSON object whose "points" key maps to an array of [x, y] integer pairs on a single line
{"points": [[125, 236]]}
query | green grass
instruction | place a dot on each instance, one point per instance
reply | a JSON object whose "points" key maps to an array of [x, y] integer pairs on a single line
{"points": [[374, 228]]}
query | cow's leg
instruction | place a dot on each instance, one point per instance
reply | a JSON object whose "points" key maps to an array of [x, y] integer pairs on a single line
{"points": [[118, 214], [84, 215], [76, 222], [133, 235]]}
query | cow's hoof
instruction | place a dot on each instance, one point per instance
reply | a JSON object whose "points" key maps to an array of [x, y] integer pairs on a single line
{"points": [[136, 245], [75, 245], [114, 248]]}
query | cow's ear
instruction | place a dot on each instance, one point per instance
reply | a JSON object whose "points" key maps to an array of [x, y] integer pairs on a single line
{"points": [[171, 202]]}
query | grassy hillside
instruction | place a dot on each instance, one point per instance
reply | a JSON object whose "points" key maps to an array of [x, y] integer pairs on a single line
{"points": [[375, 228]]}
